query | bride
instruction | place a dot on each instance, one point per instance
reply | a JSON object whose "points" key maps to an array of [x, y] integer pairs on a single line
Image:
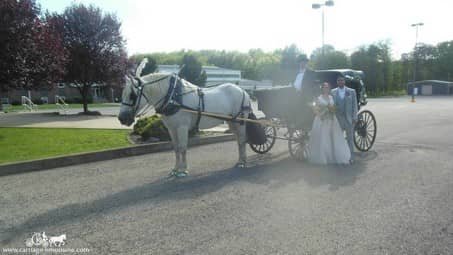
{"points": [[327, 142]]}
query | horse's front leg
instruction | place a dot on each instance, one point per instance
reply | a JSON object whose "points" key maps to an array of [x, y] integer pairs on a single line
{"points": [[183, 140], [241, 138], [174, 141]]}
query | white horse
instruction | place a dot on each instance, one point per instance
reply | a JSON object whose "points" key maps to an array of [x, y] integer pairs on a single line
{"points": [[57, 241], [158, 90]]}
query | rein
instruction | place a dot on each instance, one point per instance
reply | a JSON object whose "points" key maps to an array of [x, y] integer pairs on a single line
{"points": [[140, 87], [162, 103]]}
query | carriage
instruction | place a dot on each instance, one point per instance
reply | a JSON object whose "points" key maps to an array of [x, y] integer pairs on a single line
{"points": [[291, 114], [288, 115]]}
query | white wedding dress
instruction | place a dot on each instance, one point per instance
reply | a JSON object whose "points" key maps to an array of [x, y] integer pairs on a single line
{"points": [[327, 141]]}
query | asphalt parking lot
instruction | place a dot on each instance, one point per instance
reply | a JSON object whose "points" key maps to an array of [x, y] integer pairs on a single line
{"points": [[396, 199]]}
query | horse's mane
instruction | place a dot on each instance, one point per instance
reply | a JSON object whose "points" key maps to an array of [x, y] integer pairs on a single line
{"points": [[152, 77]]}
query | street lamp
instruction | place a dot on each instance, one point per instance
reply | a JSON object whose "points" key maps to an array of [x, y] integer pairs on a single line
{"points": [[416, 25], [319, 6]]}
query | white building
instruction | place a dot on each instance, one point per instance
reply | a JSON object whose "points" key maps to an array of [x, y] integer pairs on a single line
{"points": [[218, 75], [214, 75]]}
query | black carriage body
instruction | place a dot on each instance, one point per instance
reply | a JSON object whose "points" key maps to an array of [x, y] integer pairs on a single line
{"points": [[293, 107], [287, 105], [293, 110]]}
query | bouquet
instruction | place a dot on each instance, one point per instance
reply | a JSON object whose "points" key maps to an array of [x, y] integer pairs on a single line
{"points": [[324, 111]]}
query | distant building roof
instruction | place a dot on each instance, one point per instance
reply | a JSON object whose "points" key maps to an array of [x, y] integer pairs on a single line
{"points": [[207, 69], [431, 82], [214, 75]]}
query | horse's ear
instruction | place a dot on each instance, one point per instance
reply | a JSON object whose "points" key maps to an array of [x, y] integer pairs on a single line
{"points": [[140, 67]]}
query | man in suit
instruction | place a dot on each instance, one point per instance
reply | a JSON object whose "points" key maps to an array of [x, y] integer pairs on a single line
{"points": [[306, 90], [346, 110], [306, 77]]}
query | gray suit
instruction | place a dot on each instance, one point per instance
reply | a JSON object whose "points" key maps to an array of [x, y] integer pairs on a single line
{"points": [[346, 112]]}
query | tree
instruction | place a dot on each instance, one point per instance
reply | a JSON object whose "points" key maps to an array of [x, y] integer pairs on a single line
{"points": [[332, 59], [17, 22], [289, 57], [150, 67], [375, 61], [48, 57], [96, 49], [444, 60], [31, 54], [289, 65], [191, 70]]}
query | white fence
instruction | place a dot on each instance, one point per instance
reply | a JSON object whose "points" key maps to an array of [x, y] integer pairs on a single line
{"points": [[28, 104], [61, 104]]}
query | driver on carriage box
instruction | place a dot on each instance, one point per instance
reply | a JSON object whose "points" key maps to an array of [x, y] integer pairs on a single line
{"points": [[306, 76]]}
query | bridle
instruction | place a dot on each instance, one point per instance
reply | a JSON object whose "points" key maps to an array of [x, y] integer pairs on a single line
{"points": [[135, 97]]}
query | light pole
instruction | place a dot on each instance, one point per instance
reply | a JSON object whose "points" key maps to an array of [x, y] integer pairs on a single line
{"points": [[319, 6], [416, 25]]}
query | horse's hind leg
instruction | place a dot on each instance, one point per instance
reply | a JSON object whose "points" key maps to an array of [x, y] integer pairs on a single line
{"points": [[241, 138]]}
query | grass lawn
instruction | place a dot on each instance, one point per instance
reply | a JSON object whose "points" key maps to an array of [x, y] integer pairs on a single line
{"points": [[18, 144], [17, 108]]}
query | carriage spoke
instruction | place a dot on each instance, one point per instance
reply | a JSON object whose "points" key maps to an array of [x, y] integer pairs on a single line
{"points": [[367, 143], [367, 117], [369, 136], [370, 140]]}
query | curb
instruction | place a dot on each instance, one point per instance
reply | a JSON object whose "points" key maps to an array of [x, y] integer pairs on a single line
{"points": [[49, 163]]}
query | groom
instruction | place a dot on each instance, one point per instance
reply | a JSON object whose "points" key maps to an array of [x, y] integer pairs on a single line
{"points": [[346, 110]]}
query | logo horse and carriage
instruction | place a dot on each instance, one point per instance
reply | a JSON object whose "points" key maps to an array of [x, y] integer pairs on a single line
{"points": [[44, 241]]}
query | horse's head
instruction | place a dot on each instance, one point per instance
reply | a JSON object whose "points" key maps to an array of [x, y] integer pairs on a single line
{"points": [[135, 96], [130, 103]]}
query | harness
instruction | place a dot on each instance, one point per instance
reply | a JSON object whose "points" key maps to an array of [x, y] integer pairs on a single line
{"points": [[172, 102], [172, 99], [140, 88]]}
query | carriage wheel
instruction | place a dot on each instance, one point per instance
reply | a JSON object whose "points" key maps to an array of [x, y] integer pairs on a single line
{"points": [[297, 144], [270, 133], [365, 131]]}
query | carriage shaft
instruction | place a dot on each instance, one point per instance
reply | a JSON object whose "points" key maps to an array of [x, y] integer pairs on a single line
{"points": [[262, 122]]}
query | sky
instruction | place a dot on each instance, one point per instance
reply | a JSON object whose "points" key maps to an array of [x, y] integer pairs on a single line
{"points": [[171, 25]]}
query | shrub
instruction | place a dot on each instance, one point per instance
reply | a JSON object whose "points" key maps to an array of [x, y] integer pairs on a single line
{"points": [[151, 127], [154, 127]]}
